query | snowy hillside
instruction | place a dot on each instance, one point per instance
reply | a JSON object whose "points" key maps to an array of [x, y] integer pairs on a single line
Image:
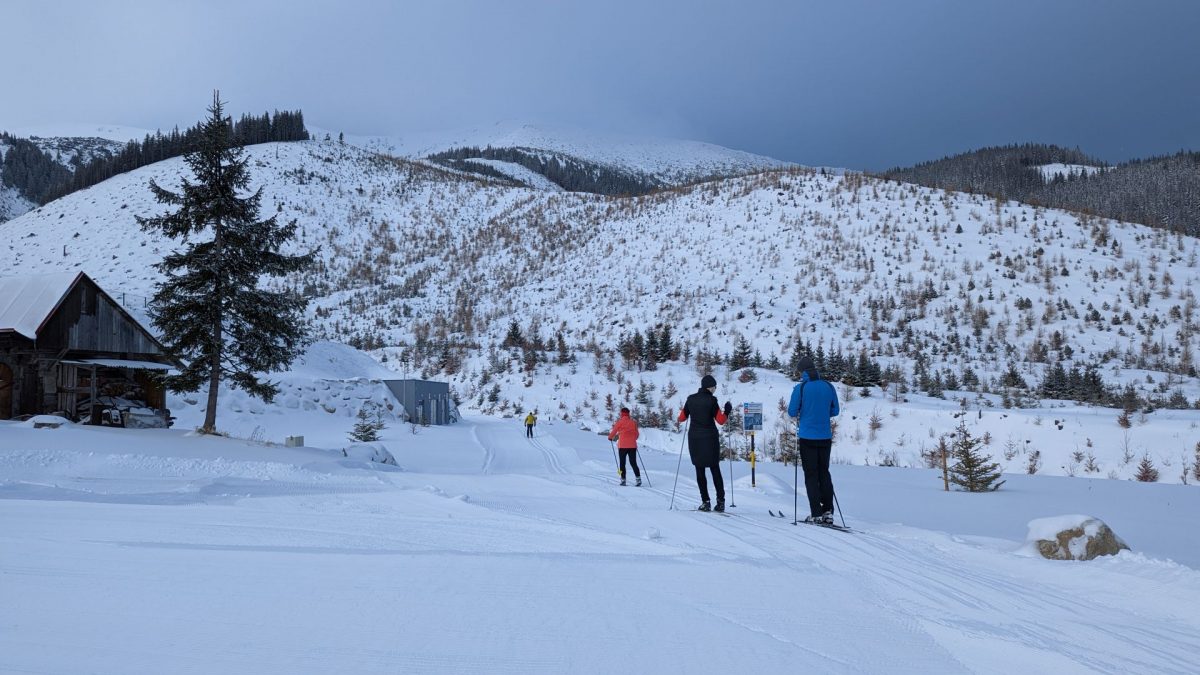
{"points": [[154, 551], [66, 145], [12, 204], [670, 160], [1050, 171], [963, 298], [110, 132]]}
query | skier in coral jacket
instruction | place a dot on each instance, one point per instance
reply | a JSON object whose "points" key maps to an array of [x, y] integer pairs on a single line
{"points": [[625, 433], [704, 443]]}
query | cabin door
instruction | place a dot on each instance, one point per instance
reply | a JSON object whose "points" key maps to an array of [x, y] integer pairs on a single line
{"points": [[6, 389]]}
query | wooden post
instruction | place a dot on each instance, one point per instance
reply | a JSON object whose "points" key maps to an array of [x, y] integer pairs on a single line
{"points": [[945, 465]]}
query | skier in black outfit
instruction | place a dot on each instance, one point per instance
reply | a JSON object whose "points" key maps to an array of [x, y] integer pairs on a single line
{"points": [[704, 444]]}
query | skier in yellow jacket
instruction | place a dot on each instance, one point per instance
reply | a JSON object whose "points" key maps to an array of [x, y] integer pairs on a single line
{"points": [[530, 421]]}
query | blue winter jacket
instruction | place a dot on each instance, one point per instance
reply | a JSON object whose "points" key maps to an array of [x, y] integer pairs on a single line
{"points": [[820, 403]]}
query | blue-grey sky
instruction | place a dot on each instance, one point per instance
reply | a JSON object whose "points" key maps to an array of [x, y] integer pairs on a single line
{"points": [[856, 83]]}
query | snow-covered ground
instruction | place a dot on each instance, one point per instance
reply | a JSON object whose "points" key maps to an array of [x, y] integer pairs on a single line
{"points": [[150, 551]]}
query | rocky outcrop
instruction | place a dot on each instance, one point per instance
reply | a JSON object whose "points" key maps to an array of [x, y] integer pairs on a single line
{"points": [[1074, 538]]}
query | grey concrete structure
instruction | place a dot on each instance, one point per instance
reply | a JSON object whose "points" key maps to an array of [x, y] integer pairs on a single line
{"points": [[425, 401]]}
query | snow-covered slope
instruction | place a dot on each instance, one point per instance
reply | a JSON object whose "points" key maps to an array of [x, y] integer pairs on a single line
{"points": [[428, 269], [671, 160], [12, 204], [1049, 171], [156, 551], [110, 132]]}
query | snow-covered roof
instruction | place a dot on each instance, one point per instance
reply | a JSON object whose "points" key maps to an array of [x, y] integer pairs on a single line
{"points": [[27, 301], [127, 363]]}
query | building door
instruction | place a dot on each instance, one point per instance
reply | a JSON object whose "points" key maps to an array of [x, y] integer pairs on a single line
{"points": [[6, 390]]}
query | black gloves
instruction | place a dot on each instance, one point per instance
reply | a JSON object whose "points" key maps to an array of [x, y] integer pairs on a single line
{"points": [[728, 408]]}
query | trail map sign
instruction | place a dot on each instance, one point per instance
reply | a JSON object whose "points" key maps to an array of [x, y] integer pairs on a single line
{"points": [[752, 417]]}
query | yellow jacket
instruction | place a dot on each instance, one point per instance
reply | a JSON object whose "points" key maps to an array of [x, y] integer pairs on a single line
{"points": [[530, 419]]}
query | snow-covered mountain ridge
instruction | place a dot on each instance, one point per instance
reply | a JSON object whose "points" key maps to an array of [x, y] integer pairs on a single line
{"points": [[666, 161], [428, 268]]}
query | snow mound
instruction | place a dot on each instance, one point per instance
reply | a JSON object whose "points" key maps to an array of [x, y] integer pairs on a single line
{"points": [[369, 452], [47, 422], [325, 360]]}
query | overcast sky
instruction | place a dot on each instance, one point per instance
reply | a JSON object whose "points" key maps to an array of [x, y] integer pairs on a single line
{"points": [[856, 83]]}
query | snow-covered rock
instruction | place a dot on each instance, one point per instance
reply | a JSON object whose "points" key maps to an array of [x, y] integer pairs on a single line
{"points": [[369, 452], [47, 422], [1073, 538]]}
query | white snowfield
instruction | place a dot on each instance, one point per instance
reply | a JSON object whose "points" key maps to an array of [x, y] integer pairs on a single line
{"points": [[156, 551]]}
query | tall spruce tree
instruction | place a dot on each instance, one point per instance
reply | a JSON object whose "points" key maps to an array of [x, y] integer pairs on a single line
{"points": [[209, 307], [973, 470]]}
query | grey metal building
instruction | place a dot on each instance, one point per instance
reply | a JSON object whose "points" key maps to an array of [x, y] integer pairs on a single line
{"points": [[425, 401]]}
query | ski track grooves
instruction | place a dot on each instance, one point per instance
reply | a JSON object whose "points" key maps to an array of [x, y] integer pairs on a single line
{"points": [[552, 460]]}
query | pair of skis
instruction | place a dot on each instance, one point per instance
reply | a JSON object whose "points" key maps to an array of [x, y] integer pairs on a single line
{"points": [[828, 526]]}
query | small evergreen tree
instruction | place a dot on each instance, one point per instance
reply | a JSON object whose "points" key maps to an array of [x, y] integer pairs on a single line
{"points": [[209, 308], [973, 470], [1146, 472], [514, 337], [369, 424]]}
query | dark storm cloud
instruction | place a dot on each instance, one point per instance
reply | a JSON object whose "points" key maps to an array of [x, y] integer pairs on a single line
{"points": [[848, 83]]}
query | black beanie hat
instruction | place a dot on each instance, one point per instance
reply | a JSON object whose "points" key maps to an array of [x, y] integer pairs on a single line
{"points": [[708, 381], [806, 364]]}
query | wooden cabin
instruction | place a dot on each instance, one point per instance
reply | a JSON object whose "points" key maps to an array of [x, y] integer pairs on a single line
{"points": [[67, 347]]}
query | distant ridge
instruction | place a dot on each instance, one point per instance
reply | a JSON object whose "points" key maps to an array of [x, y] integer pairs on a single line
{"points": [[1161, 192]]}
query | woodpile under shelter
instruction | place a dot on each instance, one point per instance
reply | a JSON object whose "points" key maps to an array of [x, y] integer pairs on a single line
{"points": [[67, 347]]}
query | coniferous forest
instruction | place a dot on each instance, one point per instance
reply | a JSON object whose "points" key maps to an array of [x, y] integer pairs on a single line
{"points": [[40, 178], [1156, 191]]}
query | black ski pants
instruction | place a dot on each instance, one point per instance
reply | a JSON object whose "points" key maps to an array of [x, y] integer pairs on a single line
{"points": [[528, 431], [718, 482], [631, 453], [814, 457]]}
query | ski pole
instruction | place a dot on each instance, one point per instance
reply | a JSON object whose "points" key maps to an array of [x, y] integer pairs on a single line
{"points": [[677, 465], [732, 503], [633, 457], [796, 486], [839, 508], [616, 462]]}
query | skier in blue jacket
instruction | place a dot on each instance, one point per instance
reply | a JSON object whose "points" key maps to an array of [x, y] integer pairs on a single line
{"points": [[814, 402]]}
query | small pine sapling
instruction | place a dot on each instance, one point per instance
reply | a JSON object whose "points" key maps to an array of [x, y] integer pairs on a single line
{"points": [[368, 425], [973, 470], [1146, 472]]}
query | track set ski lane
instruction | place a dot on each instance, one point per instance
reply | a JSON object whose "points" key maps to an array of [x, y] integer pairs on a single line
{"points": [[932, 592], [553, 462]]}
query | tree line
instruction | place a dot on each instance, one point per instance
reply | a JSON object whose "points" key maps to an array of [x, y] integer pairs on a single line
{"points": [[1162, 191], [41, 179], [570, 173], [34, 173]]}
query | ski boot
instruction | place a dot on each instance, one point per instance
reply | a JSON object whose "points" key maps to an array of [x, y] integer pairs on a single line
{"points": [[622, 481], [720, 507], [827, 518], [639, 482], [705, 506]]}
